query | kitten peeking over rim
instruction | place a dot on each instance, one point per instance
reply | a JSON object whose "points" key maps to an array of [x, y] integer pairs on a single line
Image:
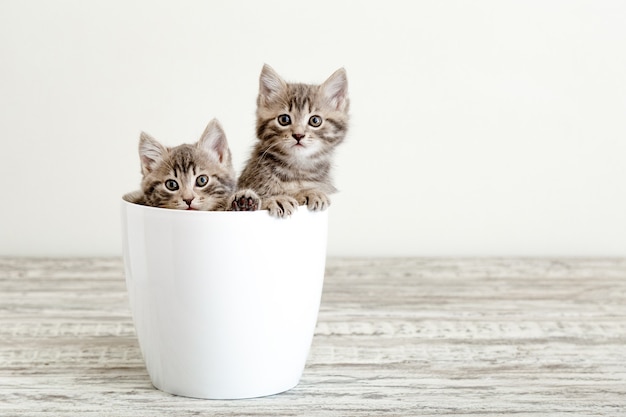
{"points": [[298, 128], [187, 177]]}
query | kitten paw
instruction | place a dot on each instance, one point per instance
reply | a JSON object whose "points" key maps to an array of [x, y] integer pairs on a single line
{"points": [[280, 206], [245, 200], [313, 199]]}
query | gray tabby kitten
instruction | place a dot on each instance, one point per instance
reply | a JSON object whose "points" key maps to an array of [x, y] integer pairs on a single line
{"points": [[298, 128], [188, 177]]}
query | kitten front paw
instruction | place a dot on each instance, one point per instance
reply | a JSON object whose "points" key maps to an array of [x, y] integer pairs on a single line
{"points": [[245, 200], [280, 206], [313, 199]]}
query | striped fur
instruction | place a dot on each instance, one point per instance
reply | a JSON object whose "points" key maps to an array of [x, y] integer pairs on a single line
{"points": [[290, 163], [209, 158]]}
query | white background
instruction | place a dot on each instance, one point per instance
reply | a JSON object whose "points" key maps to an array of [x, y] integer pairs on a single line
{"points": [[478, 128]]}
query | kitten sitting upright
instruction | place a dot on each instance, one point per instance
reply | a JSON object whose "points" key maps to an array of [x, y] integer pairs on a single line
{"points": [[188, 177], [298, 128]]}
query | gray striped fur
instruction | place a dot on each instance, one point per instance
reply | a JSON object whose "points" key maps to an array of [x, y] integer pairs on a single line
{"points": [[209, 157], [290, 165]]}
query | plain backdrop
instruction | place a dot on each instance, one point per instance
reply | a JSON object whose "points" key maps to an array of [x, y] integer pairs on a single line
{"points": [[483, 128]]}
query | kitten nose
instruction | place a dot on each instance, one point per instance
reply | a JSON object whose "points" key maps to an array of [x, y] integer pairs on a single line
{"points": [[297, 136], [188, 201]]}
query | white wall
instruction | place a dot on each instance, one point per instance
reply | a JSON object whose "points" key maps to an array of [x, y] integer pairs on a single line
{"points": [[478, 128]]}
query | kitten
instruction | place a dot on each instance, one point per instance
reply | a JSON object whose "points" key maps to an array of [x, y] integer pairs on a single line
{"points": [[298, 128], [188, 177]]}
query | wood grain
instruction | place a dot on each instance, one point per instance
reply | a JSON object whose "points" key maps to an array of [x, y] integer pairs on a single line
{"points": [[401, 337]]}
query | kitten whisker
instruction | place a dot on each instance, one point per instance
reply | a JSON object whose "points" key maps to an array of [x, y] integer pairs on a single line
{"points": [[260, 159]]}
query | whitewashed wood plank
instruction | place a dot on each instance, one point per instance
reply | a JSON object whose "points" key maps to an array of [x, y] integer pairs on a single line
{"points": [[524, 337]]}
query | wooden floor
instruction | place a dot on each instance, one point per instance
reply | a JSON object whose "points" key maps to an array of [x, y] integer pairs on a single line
{"points": [[524, 337]]}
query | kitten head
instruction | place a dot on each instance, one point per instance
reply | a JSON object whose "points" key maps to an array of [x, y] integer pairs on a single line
{"points": [[188, 177], [301, 123]]}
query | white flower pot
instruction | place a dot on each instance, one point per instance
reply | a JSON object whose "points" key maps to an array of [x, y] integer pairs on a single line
{"points": [[224, 303]]}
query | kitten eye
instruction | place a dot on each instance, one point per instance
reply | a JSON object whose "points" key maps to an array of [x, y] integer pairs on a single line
{"points": [[171, 185], [202, 180], [284, 120], [315, 121]]}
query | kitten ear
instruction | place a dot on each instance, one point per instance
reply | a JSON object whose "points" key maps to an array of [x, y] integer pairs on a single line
{"points": [[213, 140], [270, 85], [151, 152], [335, 90]]}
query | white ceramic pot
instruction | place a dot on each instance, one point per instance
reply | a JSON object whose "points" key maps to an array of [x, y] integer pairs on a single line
{"points": [[224, 303]]}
